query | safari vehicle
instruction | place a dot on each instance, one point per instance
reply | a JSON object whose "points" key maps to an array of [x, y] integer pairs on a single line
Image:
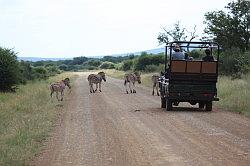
{"points": [[192, 81]]}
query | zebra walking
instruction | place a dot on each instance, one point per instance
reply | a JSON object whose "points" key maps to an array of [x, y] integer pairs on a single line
{"points": [[132, 78], [155, 79], [96, 79], [59, 87]]}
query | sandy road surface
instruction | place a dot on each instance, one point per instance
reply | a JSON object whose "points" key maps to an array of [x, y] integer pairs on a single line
{"points": [[114, 128]]}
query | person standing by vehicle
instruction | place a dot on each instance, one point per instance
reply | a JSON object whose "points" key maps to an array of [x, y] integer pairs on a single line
{"points": [[208, 57], [178, 55]]}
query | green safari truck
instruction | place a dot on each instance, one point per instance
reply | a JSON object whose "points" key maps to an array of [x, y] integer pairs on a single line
{"points": [[189, 80]]}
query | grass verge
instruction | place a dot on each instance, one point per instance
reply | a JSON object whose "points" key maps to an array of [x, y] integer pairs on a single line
{"points": [[234, 94], [26, 120]]}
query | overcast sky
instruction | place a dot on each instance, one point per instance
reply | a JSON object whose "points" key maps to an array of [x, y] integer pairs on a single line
{"points": [[70, 28]]}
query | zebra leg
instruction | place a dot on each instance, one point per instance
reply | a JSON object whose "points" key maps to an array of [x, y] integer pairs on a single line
{"points": [[125, 84], [96, 86], [134, 91], [100, 89], [153, 93], [51, 93], [62, 94], [57, 96], [157, 89], [130, 87]]}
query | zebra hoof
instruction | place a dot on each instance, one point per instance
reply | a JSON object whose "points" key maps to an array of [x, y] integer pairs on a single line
{"points": [[100, 90], [134, 91], [127, 92], [131, 91]]}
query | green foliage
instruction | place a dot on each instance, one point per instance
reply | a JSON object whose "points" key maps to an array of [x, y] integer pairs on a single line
{"points": [[127, 65], [235, 62], [26, 71], [40, 73], [196, 54], [151, 68], [144, 60], [63, 67], [175, 34], [78, 60], [93, 62], [10, 74], [231, 29], [107, 65]]}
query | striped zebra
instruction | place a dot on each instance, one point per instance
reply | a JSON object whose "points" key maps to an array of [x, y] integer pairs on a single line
{"points": [[59, 87], [132, 78], [96, 79], [155, 83]]}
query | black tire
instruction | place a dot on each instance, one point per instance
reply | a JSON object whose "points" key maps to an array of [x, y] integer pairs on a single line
{"points": [[209, 106], [163, 102], [169, 105], [201, 105]]}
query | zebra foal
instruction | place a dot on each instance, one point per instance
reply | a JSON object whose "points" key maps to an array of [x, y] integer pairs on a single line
{"points": [[59, 87]]}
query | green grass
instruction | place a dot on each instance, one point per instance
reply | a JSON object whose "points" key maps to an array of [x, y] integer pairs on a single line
{"points": [[234, 94], [26, 120]]}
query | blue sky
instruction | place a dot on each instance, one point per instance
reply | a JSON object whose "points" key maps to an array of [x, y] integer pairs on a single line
{"points": [[70, 28]]}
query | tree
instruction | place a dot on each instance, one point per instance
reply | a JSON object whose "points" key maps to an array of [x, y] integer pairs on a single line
{"points": [[9, 70], [231, 29], [175, 34]]}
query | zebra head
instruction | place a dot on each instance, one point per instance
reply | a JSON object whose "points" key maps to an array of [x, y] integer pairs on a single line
{"points": [[66, 81], [138, 77], [102, 74]]}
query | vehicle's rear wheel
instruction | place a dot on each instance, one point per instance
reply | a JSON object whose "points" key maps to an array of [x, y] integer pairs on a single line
{"points": [[201, 105], [209, 106], [169, 105], [163, 102]]}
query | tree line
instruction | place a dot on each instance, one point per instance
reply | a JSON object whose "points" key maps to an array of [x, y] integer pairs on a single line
{"points": [[230, 28]]}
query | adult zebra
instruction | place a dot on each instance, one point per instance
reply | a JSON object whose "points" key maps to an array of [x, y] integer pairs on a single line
{"points": [[59, 87], [132, 78], [96, 79]]}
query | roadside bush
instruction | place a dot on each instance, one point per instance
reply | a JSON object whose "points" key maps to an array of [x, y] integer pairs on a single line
{"points": [[63, 67], [93, 62], [10, 74], [40, 73], [234, 62], [127, 65], [107, 65], [144, 60], [53, 70], [26, 71]]}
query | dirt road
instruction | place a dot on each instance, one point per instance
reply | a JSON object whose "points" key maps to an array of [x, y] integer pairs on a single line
{"points": [[114, 128]]}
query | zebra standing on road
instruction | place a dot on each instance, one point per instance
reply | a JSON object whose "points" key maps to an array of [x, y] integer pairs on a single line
{"points": [[96, 79], [59, 87], [132, 78], [155, 79]]}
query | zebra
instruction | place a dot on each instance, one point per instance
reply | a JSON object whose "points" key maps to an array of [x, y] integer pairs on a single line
{"points": [[96, 79], [155, 82], [132, 78], [59, 87]]}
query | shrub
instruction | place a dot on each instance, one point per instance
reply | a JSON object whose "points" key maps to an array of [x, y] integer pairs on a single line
{"points": [[10, 74], [127, 65], [26, 71], [234, 62], [63, 67], [40, 73], [107, 65]]}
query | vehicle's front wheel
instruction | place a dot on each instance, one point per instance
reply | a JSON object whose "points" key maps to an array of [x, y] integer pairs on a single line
{"points": [[169, 105], [209, 106], [163, 102]]}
